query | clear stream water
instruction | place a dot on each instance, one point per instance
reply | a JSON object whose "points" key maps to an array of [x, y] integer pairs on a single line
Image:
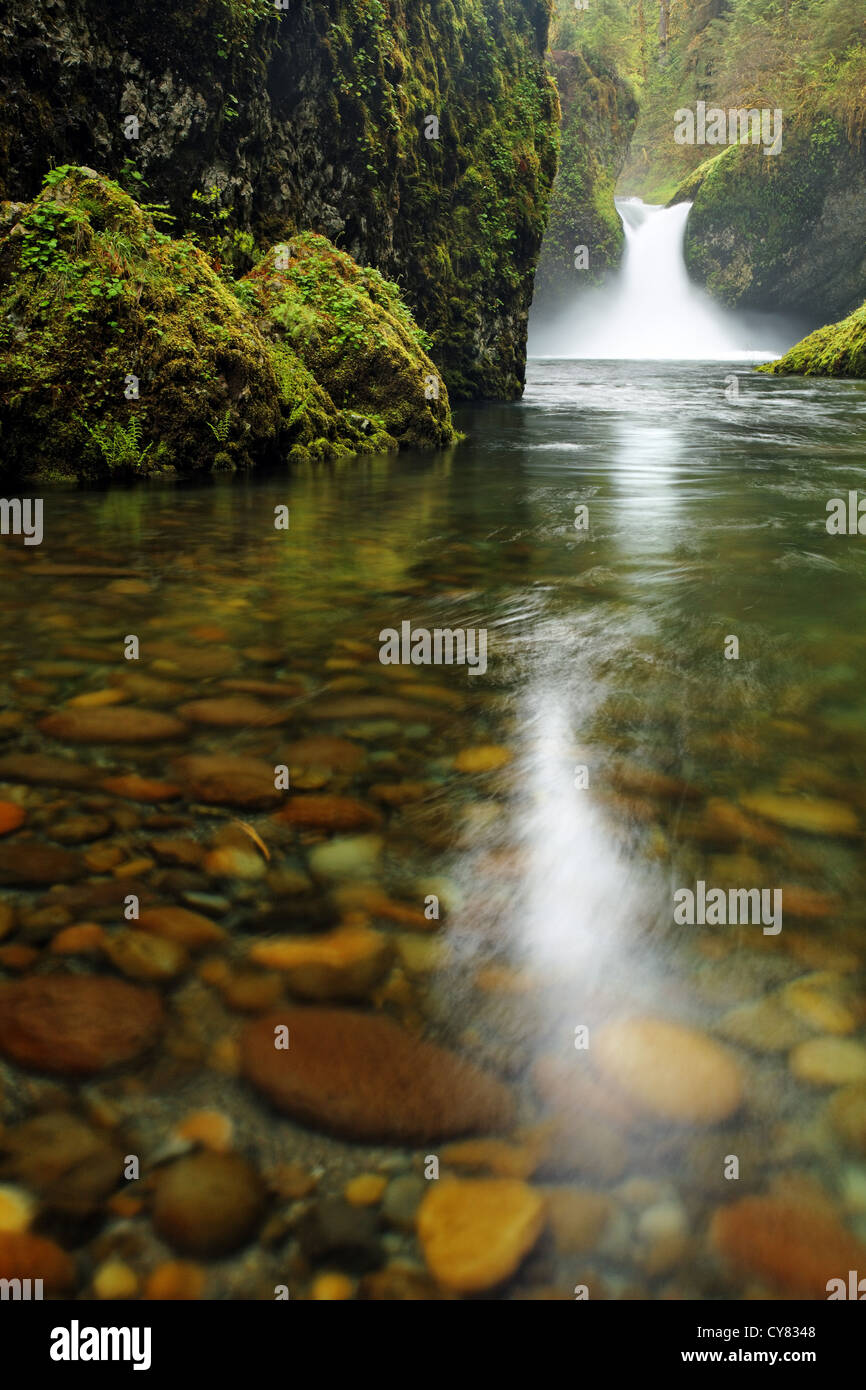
{"points": [[606, 651]]}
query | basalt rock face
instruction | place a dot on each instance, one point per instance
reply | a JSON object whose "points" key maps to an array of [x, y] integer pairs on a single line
{"points": [[782, 232], [599, 113], [254, 123]]}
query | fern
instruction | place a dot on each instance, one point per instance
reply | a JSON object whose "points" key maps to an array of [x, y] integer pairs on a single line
{"points": [[119, 445], [221, 429]]}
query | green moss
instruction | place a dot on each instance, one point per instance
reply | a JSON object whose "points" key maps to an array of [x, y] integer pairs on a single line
{"points": [[598, 116], [756, 225], [839, 349], [354, 336], [96, 301], [123, 350], [318, 116]]}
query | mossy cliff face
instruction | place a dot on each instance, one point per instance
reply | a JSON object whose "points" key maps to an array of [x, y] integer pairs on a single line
{"points": [[781, 232], [598, 117], [123, 351], [256, 123], [839, 349]]}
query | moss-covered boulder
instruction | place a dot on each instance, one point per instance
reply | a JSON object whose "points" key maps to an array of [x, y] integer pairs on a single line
{"points": [[352, 330], [839, 349], [781, 233], [122, 351]]}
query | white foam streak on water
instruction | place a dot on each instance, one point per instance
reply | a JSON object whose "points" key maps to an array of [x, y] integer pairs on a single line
{"points": [[583, 894], [650, 310]]}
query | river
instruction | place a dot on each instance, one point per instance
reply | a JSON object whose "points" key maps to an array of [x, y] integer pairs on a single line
{"points": [[623, 757]]}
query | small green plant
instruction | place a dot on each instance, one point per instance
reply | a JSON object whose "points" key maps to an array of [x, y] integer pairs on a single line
{"points": [[119, 445], [245, 294], [221, 428], [298, 320]]}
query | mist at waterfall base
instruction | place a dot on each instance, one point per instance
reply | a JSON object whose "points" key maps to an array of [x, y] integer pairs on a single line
{"points": [[649, 310]]}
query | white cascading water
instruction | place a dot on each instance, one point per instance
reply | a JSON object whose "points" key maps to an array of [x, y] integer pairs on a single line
{"points": [[650, 310]]}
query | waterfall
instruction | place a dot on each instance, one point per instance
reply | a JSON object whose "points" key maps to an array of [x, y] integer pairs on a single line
{"points": [[650, 309]]}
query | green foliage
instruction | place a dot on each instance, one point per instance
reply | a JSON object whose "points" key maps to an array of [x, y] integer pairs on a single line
{"points": [[222, 427], [91, 291], [805, 57], [356, 337], [119, 445]]}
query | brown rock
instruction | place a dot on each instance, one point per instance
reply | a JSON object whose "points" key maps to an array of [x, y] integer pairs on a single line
{"points": [[343, 964], [400, 1286], [329, 813], [228, 781], [337, 754], [232, 712], [81, 829], [112, 725], [364, 1077], [178, 924], [25, 1256], [208, 1204], [277, 690], [7, 919], [74, 1025], [40, 769], [138, 686], [178, 851], [183, 659], [796, 1248], [644, 781], [72, 1167], [668, 1070], [145, 789], [100, 901], [11, 816], [142, 956], [25, 862]]}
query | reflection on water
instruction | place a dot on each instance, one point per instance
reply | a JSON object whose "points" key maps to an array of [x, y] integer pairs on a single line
{"points": [[610, 756]]}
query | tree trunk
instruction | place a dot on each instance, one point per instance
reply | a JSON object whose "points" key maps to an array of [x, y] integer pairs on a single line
{"points": [[664, 25]]}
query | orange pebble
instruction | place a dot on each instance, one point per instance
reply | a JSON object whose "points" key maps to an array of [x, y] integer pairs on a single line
{"points": [[124, 1204], [174, 1281], [17, 957], [79, 939], [136, 788], [210, 1128], [96, 699], [331, 1288], [11, 816], [25, 1256]]}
